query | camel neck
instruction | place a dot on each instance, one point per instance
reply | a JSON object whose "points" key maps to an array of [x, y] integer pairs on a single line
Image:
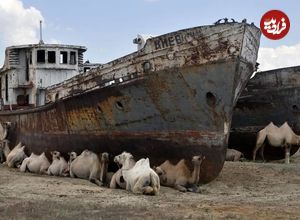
{"points": [[196, 174], [6, 151], [129, 163]]}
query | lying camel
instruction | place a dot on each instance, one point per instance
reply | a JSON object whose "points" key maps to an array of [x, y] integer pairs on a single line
{"points": [[35, 164], [16, 156], [140, 179], [127, 162], [59, 166], [282, 136], [88, 166], [4, 126], [234, 155], [4, 150], [179, 176]]}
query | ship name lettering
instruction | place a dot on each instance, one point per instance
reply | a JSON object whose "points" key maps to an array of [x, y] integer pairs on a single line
{"points": [[170, 41]]}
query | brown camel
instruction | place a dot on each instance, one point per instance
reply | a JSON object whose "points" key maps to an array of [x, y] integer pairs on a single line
{"points": [[179, 176]]}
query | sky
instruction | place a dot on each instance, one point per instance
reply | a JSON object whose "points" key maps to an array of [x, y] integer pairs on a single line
{"points": [[107, 28]]}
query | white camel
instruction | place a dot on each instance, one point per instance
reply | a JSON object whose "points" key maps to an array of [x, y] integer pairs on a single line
{"points": [[125, 160], [179, 176], [140, 179], [234, 155], [88, 166], [35, 164], [16, 156], [59, 166], [282, 136]]}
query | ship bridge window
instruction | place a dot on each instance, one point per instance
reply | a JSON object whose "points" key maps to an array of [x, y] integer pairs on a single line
{"points": [[63, 57], [51, 57], [23, 100], [73, 58], [40, 56]]}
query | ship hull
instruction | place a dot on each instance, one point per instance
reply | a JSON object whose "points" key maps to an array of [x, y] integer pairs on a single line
{"points": [[167, 113], [272, 96]]}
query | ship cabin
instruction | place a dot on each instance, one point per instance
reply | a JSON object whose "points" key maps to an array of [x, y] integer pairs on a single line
{"points": [[29, 69]]}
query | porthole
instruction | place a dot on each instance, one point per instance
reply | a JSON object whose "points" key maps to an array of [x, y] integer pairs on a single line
{"points": [[295, 107], [119, 105], [56, 96], [210, 99], [98, 109]]}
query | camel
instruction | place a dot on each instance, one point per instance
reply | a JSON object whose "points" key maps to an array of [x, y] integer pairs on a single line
{"points": [[127, 161], [140, 179], [35, 164], [179, 176], [4, 150], [4, 126], [234, 155], [16, 156], [88, 166], [282, 136], [59, 166]]}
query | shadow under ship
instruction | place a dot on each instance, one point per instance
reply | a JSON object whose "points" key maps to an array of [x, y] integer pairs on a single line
{"points": [[270, 96], [172, 99]]}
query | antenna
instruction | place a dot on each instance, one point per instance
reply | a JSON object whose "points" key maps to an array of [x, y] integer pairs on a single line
{"points": [[41, 34]]}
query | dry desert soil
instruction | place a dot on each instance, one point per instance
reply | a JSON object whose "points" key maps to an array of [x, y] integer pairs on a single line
{"points": [[243, 190]]}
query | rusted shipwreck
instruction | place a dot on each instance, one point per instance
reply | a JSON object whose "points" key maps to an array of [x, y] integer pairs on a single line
{"points": [[269, 96], [171, 99]]}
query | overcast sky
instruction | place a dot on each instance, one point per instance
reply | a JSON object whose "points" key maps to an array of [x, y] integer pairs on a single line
{"points": [[107, 28]]}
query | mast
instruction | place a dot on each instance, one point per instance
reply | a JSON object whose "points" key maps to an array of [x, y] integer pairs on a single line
{"points": [[41, 34]]}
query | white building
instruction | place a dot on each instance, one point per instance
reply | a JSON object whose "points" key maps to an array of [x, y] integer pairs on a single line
{"points": [[29, 69]]}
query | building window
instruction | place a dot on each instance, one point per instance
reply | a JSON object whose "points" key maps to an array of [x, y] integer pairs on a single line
{"points": [[63, 57], [51, 57], [73, 58], [6, 87], [40, 56]]}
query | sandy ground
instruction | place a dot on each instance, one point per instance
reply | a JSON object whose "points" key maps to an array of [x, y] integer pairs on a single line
{"points": [[243, 190]]}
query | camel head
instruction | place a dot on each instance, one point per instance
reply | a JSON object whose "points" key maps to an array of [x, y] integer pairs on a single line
{"points": [[72, 156], [7, 124], [105, 157], [55, 155], [121, 158], [161, 173], [197, 160]]}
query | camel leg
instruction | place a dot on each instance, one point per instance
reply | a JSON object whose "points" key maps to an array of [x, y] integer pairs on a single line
{"points": [[24, 165], [287, 153], [193, 188], [259, 142], [96, 181], [141, 187], [113, 183], [261, 152], [180, 188], [180, 185], [94, 178], [1, 156], [72, 174]]}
